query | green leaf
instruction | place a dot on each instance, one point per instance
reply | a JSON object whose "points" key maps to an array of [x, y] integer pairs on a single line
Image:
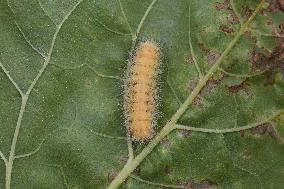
{"points": [[61, 94]]}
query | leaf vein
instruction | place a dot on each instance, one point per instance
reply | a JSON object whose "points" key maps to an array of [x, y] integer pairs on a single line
{"points": [[30, 153], [11, 79], [45, 12], [170, 126], [251, 173], [125, 18], [3, 157], [25, 97], [103, 75], [173, 91], [104, 135], [155, 183], [230, 130], [200, 74], [42, 53], [109, 29], [144, 17], [241, 75], [236, 12]]}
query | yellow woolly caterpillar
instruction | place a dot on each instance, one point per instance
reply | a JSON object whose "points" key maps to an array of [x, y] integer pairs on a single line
{"points": [[140, 93]]}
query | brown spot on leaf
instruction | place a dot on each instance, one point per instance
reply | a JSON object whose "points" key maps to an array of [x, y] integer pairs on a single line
{"points": [[197, 102], [237, 88], [281, 4], [211, 84], [188, 184], [124, 159], [242, 133], [205, 184], [189, 60], [192, 84], [273, 6], [269, 63], [276, 6], [226, 29], [166, 143], [233, 19], [212, 56], [281, 28], [258, 60], [247, 12], [168, 170], [278, 52], [220, 6], [260, 129], [270, 80], [267, 128], [112, 175], [244, 86], [184, 133]]}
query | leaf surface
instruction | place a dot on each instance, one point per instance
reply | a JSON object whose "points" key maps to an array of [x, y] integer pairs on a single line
{"points": [[61, 87]]}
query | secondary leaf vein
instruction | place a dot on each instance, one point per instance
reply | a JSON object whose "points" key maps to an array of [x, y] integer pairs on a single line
{"points": [[3, 157], [105, 135], [155, 183], [191, 47], [230, 130], [11, 79], [109, 29], [125, 18], [42, 53], [9, 165]]}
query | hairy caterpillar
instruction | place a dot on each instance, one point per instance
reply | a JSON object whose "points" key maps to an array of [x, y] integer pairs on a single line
{"points": [[140, 93]]}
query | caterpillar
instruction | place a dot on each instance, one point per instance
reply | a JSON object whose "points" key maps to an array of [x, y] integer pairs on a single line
{"points": [[140, 93]]}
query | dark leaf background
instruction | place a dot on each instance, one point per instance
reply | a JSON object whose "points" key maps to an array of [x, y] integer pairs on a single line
{"points": [[73, 131]]}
